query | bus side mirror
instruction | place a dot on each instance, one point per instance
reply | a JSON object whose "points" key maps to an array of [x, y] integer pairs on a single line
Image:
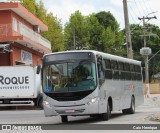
{"points": [[38, 69]]}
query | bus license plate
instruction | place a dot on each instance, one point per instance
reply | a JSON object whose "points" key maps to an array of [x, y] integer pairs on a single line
{"points": [[70, 111]]}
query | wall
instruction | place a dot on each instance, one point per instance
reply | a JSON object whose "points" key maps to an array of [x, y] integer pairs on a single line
{"points": [[36, 56], [6, 15], [5, 23], [8, 59]]}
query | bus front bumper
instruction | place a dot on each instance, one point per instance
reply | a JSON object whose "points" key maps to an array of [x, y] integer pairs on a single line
{"points": [[71, 110]]}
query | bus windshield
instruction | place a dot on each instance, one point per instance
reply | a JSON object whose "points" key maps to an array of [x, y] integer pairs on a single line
{"points": [[69, 76]]}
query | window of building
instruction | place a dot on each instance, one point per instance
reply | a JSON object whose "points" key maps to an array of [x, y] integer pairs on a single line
{"points": [[20, 28], [15, 24]]}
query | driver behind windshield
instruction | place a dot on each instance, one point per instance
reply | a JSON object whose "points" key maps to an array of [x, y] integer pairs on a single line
{"points": [[80, 73]]}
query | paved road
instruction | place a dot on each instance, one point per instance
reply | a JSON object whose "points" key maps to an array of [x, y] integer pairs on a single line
{"points": [[150, 107], [37, 117]]}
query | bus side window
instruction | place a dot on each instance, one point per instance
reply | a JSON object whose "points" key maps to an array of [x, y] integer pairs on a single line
{"points": [[132, 72], [121, 71], [127, 71], [115, 69], [100, 70], [138, 72], [108, 70]]}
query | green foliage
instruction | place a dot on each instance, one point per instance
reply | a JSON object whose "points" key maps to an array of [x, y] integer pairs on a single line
{"points": [[41, 12], [152, 42], [76, 28], [31, 5], [107, 20], [113, 42], [94, 33], [55, 32]]}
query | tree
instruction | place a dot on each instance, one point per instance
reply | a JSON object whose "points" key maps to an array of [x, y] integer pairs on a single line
{"points": [[112, 38], [137, 40], [107, 20], [54, 33], [113, 41], [41, 12], [31, 5], [88, 31], [152, 42], [95, 31], [75, 29]]}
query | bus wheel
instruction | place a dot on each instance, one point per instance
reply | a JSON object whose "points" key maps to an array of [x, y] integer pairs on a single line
{"points": [[94, 115], [106, 116], [125, 111], [131, 110], [40, 103], [64, 118]]}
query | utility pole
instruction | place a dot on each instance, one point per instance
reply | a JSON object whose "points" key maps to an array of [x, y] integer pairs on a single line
{"points": [[128, 32], [146, 56]]}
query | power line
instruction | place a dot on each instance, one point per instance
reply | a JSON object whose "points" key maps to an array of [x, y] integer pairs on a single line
{"points": [[132, 12], [147, 6], [138, 8], [144, 49], [143, 8]]}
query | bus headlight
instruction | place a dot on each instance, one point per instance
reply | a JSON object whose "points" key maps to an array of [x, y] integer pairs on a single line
{"points": [[45, 103], [93, 100]]}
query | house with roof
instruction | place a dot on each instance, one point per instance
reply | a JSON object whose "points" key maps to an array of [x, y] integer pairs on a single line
{"points": [[20, 36]]}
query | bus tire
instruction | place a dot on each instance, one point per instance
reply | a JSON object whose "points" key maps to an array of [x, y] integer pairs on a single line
{"points": [[106, 116], [131, 110], [125, 111], [94, 115], [40, 103], [64, 118]]}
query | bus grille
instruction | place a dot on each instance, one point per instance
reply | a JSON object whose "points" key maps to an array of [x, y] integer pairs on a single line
{"points": [[69, 96]]}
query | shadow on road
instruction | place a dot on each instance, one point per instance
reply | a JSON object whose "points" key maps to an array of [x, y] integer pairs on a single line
{"points": [[91, 120]]}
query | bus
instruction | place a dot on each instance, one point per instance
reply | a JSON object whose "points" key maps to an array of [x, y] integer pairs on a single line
{"points": [[88, 82]]}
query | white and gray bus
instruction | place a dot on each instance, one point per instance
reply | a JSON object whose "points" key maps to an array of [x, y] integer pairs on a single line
{"points": [[87, 82]]}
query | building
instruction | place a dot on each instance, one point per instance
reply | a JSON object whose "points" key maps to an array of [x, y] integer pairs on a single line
{"points": [[20, 39]]}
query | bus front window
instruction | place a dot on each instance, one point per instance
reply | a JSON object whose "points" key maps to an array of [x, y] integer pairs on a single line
{"points": [[70, 76]]}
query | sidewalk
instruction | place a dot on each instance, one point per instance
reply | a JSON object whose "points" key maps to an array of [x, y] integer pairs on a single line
{"points": [[154, 101]]}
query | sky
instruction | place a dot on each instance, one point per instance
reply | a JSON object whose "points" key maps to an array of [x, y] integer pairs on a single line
{"points": [[136, 8]]}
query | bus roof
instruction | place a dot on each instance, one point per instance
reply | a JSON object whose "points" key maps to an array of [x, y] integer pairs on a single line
{"points": [[104, 55]]}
